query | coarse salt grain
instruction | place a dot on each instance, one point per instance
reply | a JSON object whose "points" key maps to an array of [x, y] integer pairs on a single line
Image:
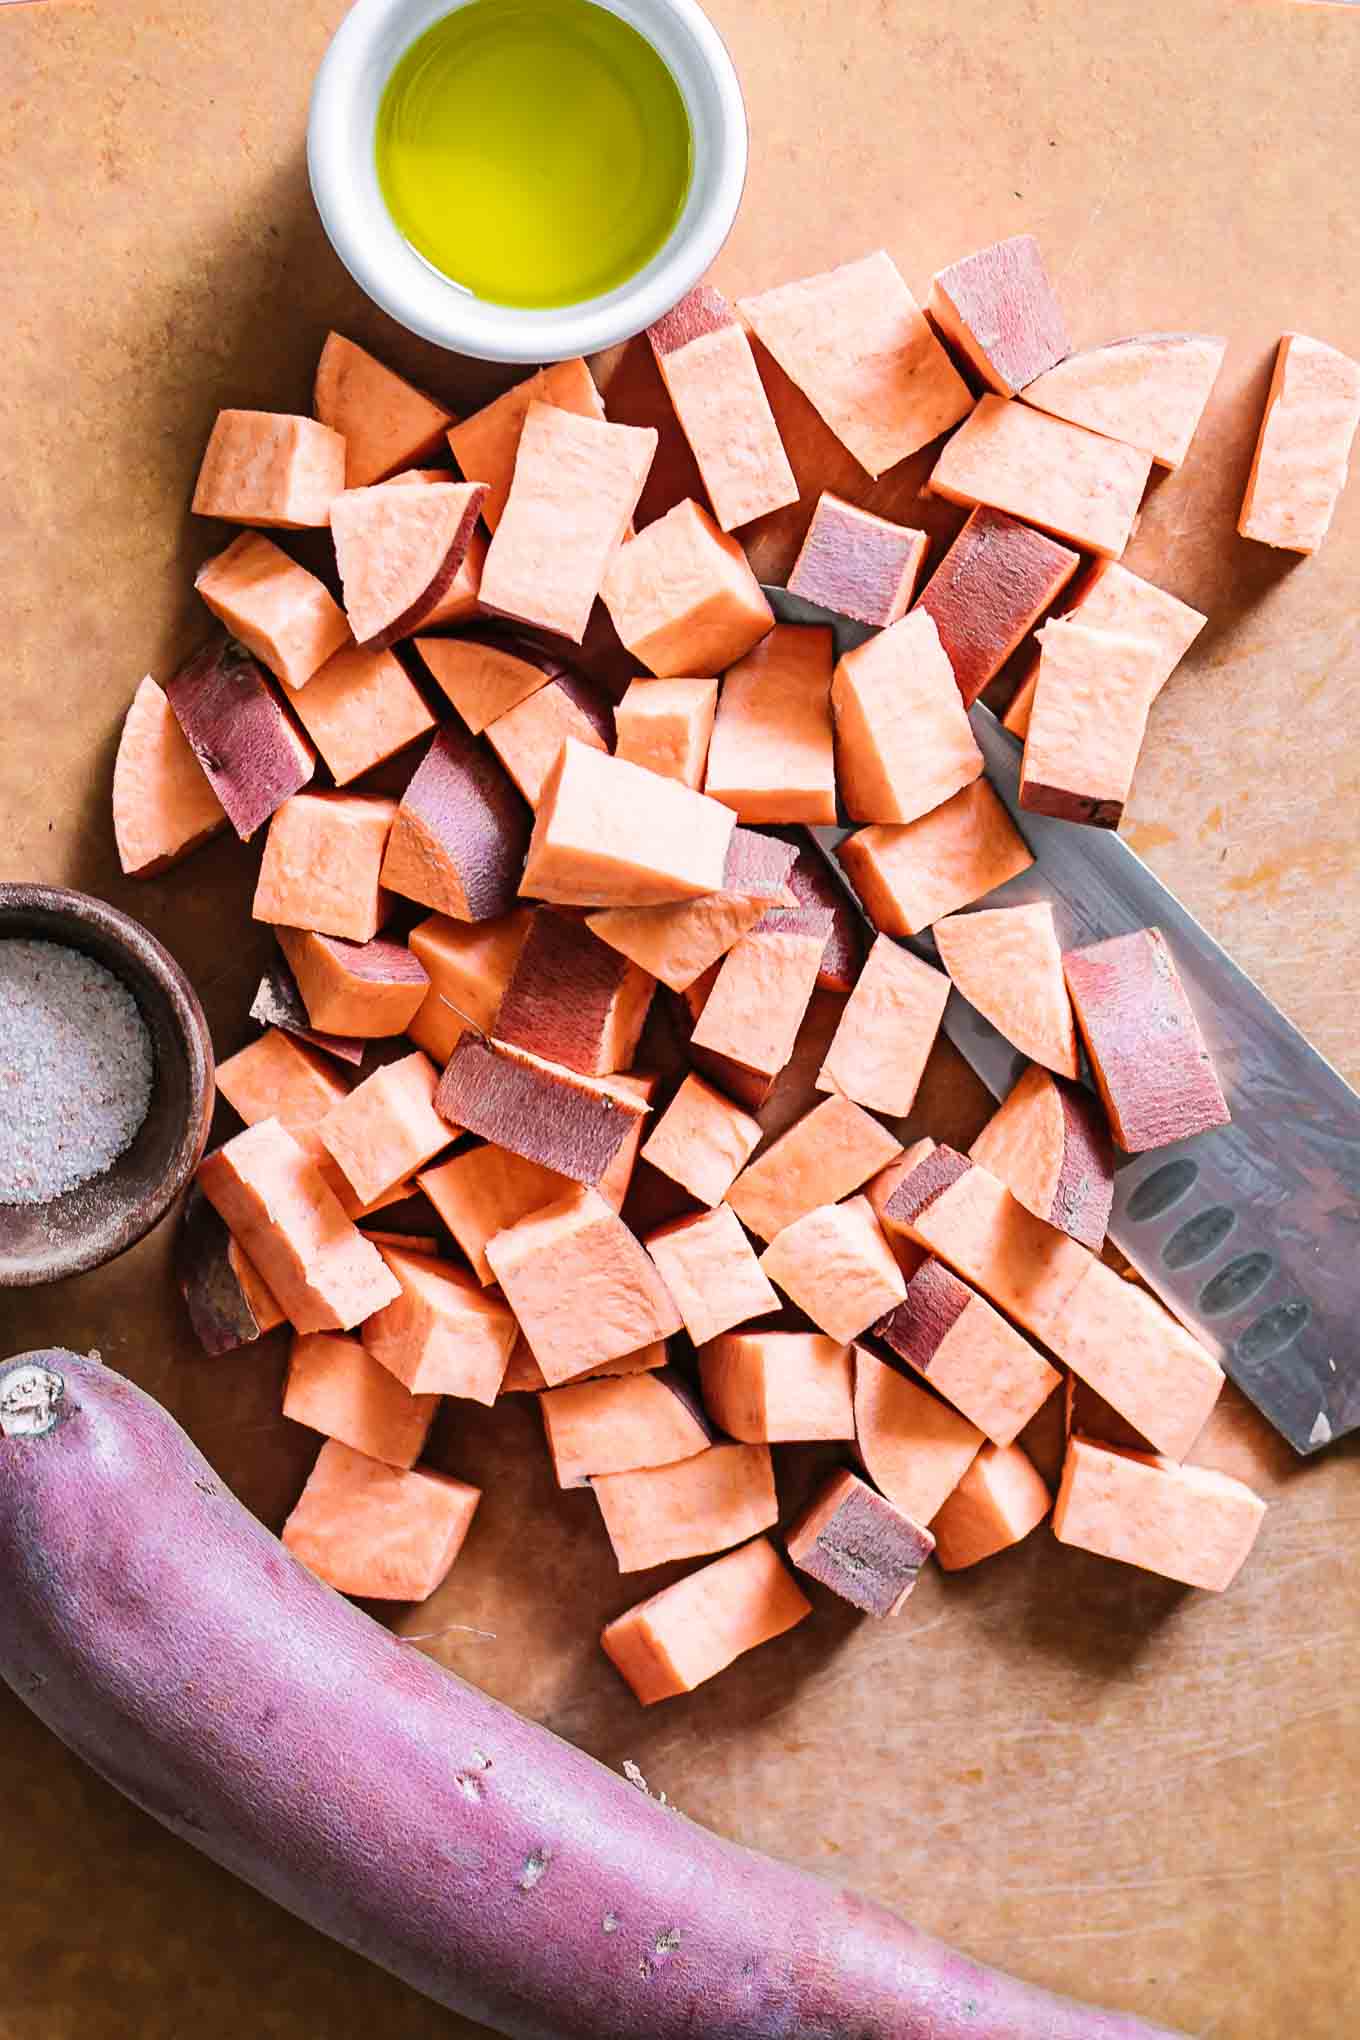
{"points": [[76, 1067]]}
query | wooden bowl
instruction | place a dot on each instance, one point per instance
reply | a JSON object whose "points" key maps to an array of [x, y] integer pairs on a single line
{"points": [[100, 1219]]}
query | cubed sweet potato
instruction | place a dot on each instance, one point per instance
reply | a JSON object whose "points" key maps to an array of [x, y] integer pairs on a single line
{"points": [[999, 310], [689, 1632], [620, 1425], [913, 1446], [836, 1265], [549, 1114], [277, 610], [265, 467], [991, 587], [666, 726], [251, 751], [164, 805], [573, 999], [857, 564], [915, 873], [1006, 961], [969, 1353], [360, 990], [387, 1127], [771, 756], [609, 834], [859, 1544], [832, 1150], [903, 740], [702, 1141], [335, 1387], [1302, 452], [1151, 1063], [1049, 1144], [384, 421], [776, 1388], [704, 1503], [528, 737], [707, 1264], [485, 445], [884, 1037], [398, 551], [322, 860], [444, 1334], [1148, 391], [384, 1533], [705, 361], [682, 596], [459, 837], [360, 709], [1188, 1523], [1068, 481], [997, 1503]]}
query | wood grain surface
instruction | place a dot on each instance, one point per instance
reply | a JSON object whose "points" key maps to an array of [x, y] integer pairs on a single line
{"points": [[1126, 1790]]}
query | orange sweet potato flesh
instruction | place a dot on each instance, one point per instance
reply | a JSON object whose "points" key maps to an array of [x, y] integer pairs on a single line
{"points": [[903, 740], [576, 486], [678, 944], [666, 726], [621, 1424], [915, 873], [682, 596], [1111, 598], [1049, 1144], [376, 1531], [1152, 1066], [991, 587], [163, 803], [484, 676], [1087, 722], [771, 757], [858, 345], [1148, 391], [444, 1335], [1187, 1523], [387, 1127], [528, 737], [385, 423], [276, 1077], [279, 611], [459, 837], [883, 1041], [265, 467], [1141, 1360], [335, 1387], [1070, 482], [706, 1263], [857, 564], [688, 1632], [702, 1141], [694, 1506], [322, 860], [761, 992], [573, 999], [482, 1191], [610, 834], [324, 1273], [776, 1388], [706, 363], [914, 1447], [541, 1110], [969, 1353], [824, 1156], [1006, 961], [360, 709], [485, 445], [365, 990], [469, 965], [581, 1285], [999, 310], [524, 1376], [279, 1003], [1300, 464], [837, 1266], [398, 551], [997, 1503], [856, 1542]]}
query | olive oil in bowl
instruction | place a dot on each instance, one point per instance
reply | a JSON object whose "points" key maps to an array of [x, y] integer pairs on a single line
{"points": [[537, 152]]}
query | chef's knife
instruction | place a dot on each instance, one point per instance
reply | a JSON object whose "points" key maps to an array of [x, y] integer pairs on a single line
{"points": [[1251, 1233]]}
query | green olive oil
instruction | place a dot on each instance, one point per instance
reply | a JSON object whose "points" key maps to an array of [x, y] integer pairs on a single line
{"points": [[538, 152]]}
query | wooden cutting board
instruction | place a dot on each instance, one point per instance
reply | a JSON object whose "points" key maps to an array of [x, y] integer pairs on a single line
{"points": [[1128, 1791]]}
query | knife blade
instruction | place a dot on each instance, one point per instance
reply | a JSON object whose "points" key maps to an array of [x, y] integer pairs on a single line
{"points": [[1250, 1233]]}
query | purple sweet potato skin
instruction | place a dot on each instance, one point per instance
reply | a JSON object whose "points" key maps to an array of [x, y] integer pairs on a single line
{"points": [[189, 1659], [255, 756], [278, 1003], [464, 806], [219, 1309]]}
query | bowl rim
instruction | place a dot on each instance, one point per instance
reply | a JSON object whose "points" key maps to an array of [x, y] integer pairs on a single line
{"points": [[344, 187], [151, 958]]}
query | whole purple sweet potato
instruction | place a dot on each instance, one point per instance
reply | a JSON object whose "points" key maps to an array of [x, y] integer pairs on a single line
{"points": [[175, 1645]]}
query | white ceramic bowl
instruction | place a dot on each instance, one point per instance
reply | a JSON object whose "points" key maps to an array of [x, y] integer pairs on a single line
{"points": [[340, 159]]}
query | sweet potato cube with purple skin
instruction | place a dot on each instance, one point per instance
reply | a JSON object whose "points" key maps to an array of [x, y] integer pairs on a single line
{"points": [[1148, 391], [582, 1287], [861, 350], [827, 1153], [610, 834], [1188, 1523], [658, 1514], [998, 1502], [702, 1141], [1071, 483], [992, 586], [385, 423], [856, 1542], [705, 361], [969, 1353], [360, 990], [777, 1388], [771, 757], [321, 866], [460, 835], [914, 1447], [265, 467], [707, 1264], [813, 884], [576, 485], [383, 1533], [912, 874], [1049, 1144], [1006, 962], [572, 999], [277, 610], [753, 1013], [998, 309], [486, 673], [620, 1425], [666, 726], [1087, 722], [361, 709], [903, 739], [387, 1127], [335, 1387], [1151, 1063], [469, 965], [252, 753], [883, 1041], [857, 564], [550, 1115], [1300, 464], [691, 1631], [322, 1270], [486, 444], [528, 737], [279, 1003], [229, 1303], [444, 1335], [836, 1265], [677, 944], [398, 551], [163, 802], [683, 598]]}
